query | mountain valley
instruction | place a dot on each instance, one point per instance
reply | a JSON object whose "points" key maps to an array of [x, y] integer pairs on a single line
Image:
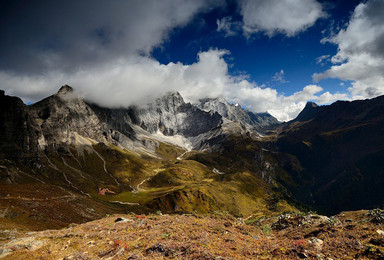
{"points": [[64, 160]]}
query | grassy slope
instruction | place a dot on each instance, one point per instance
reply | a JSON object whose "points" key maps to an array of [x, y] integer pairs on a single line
{"points": [[145, 184], [349, 235]]}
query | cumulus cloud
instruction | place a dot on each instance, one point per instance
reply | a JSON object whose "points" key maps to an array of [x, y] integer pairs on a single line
{"points": [[360, 56], [288, 17], [328, 98]]}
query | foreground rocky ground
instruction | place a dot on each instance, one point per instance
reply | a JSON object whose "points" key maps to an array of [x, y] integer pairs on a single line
{"points": [[349, 235]]}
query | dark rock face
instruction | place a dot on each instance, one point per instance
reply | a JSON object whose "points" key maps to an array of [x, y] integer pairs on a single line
{"points": [[341, 149], [263, 119], [17, 130], [310, 110], [115, 119]]}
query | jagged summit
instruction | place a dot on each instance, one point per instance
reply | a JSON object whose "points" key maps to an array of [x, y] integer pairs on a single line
{"points": [[171, 116], [236, 113], [221, 106], [65, 89], [171, 99]]}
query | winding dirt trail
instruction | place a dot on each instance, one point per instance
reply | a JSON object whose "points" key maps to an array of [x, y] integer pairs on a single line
{"points": [[182, 155], [141, 183]]}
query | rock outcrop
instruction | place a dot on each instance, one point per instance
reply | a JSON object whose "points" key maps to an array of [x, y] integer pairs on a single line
{"points": [[235, 113], [63, 116], [17, 130]]}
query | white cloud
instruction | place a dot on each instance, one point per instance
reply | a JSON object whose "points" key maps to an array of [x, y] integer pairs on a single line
{"points": [[228, 27], [360, 56], [104, 53], [140, 79], [322, 59], [279, 77], [328, 98], [288, 17], [282, 107]]}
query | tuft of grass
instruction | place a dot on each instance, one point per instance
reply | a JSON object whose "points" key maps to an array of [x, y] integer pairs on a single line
{"points": [[376, 215], [266, 229], [165, 236]]}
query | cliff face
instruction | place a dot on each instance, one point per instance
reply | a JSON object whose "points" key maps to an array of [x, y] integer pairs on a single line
{"points": [[61, 115], [171, 115], [237, 114], [17, 130]]}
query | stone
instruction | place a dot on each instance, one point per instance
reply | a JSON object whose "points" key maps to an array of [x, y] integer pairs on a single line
{"points": [[123, 220], [317, 243], [29, 243]]}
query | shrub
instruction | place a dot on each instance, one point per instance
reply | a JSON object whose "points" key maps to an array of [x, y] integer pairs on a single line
{"points": [[266, 229], [376, 215]]}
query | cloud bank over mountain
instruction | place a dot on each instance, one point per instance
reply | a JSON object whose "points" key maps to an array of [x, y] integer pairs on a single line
{"points": [[139, 79], [104, 50]]}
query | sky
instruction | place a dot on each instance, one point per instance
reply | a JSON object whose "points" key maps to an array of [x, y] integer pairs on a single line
{"points": [[266, 55]]}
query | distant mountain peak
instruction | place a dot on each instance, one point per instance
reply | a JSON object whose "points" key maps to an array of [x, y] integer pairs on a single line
{"points": [[65, 89], [309, 111], [235, 113], [311, 104]]}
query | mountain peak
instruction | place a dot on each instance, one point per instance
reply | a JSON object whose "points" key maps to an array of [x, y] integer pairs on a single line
{"points": [[172, 98], [217, 100], [311, 104], [309, 111], [65, 89]]}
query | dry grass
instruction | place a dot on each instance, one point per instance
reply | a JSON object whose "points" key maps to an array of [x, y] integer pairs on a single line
{"points": [[349, 235]]}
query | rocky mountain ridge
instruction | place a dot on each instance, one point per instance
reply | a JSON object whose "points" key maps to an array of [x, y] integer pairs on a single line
{"points": [[340, 149], [235, 113], [62, 117]]}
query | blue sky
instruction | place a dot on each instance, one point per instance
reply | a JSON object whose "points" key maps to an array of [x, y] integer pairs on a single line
{"points": [[261, 56], [267, 55]]}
